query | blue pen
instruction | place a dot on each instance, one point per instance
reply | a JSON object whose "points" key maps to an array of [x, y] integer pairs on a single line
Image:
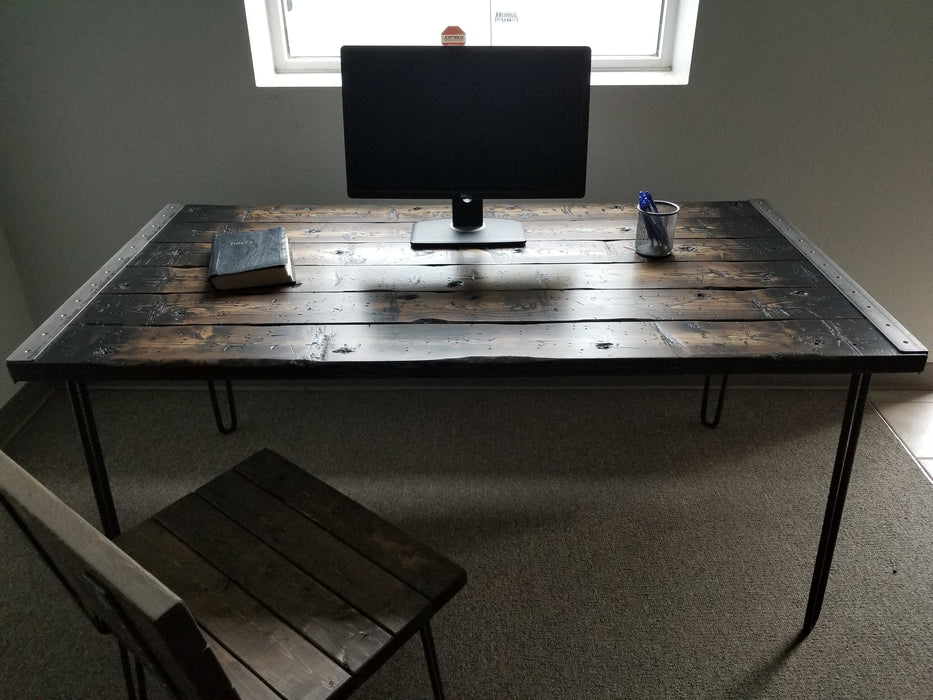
{"points": [[660, 230], [655, 228], [649, 228], [651, 204]]}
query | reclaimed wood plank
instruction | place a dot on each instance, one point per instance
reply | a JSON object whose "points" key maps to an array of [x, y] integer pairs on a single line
{"points": [[581, 251], [190, 350], [813, 339], [366, 211], [621, 228], [411, 278], [174, 254], [733, 228], [320, 232], [309, 351], [459, 306]]}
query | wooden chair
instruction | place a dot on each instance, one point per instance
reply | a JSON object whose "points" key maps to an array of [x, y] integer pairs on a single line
{"points": [[264, 583]]}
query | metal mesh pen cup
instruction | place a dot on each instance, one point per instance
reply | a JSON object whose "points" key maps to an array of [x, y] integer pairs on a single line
{"points": [[654, 236]]}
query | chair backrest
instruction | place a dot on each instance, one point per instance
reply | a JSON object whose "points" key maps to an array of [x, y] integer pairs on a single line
{"points": [[113, 590]]}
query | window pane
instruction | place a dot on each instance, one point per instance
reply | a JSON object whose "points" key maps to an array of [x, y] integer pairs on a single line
{"points": [[617, 28], [317, 28]]}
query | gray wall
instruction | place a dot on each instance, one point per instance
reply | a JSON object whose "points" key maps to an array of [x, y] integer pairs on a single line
{"points": [[108, 110], [15, 321]]}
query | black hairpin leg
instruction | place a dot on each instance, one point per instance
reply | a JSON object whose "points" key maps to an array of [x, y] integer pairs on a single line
{"points": [[842, 470], [225, 429], [87, 429], [704, 410], [430, 655]]}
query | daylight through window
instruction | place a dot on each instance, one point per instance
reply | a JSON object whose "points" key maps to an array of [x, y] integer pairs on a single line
{"points": [[297, 42]]}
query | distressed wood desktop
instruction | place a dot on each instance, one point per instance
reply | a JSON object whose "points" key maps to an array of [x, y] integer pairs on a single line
{"points": [[744, 291]]}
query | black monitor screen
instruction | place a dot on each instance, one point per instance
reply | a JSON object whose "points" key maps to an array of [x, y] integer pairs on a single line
{"points": [[465, 123]]}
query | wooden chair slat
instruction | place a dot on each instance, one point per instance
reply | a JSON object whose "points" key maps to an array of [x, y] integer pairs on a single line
{"points": [[246, 683], [354, 578], [422, 568]]}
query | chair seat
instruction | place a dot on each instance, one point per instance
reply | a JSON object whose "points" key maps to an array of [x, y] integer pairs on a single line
{"points": [[297, 588]]}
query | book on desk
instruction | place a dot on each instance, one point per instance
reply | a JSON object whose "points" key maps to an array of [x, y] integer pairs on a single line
{"points": [[245, 259]]}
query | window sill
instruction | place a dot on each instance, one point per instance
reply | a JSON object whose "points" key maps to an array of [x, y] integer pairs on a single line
{"points": [[598, 78]]}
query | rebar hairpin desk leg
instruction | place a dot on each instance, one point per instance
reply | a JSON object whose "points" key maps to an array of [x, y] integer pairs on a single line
{"points": [[704, 410], [842, 470], [225, 429], [87, 429]]}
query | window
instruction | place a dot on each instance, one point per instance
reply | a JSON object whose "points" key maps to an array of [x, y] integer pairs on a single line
{"points": [[634, 42]]}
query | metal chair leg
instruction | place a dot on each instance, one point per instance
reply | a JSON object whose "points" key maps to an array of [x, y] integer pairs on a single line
{"points": [[135, 686], [127, 674], [141, 681], [430, 656], [704, 411], [225, 429]]}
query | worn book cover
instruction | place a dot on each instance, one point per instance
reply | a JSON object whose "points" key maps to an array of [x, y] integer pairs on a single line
{"points": [[242, 259]]}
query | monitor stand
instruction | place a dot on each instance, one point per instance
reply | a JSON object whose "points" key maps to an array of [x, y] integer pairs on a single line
{"points": [[467, 229]]}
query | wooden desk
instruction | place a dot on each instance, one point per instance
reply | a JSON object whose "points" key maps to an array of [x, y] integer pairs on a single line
{"points": [[744, 291]]}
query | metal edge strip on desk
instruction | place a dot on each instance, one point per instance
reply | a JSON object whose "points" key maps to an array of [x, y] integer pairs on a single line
{"points": [[887, 325], [77, 302]]}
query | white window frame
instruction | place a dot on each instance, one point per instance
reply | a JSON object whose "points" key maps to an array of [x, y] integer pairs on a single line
{"points": [[273, 67]]}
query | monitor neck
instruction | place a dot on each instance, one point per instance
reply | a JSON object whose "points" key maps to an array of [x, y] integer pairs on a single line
{"points": [[467, 213]]}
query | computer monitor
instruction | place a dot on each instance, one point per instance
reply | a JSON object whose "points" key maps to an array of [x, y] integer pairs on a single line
{"points": [[466, 123]]}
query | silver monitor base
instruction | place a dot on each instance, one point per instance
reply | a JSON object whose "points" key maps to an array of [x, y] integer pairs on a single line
{"points": [[494, 233]]}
